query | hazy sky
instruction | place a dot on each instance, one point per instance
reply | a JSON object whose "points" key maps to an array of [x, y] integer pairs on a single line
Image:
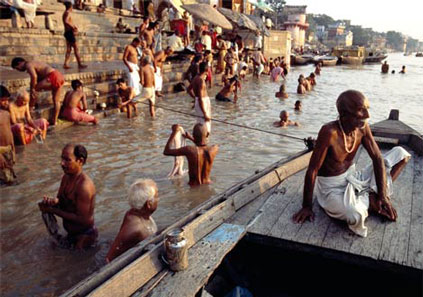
{"points": [[405, 16]]}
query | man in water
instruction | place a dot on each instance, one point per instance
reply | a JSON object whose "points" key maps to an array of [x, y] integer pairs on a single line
{"points": [[126, 94], [148, 83], [75, 200], [200, 157], [282, 92], [298, 106], [230, 87], [402, 70], [198, 90], [284, 120], [342, 191], [301, 89], [7, 146], [159, 58], [259, 61], [385, 67], [24, 128], [137, 224], [43, 77], [70, 31], [72, 110], [130, 59]]}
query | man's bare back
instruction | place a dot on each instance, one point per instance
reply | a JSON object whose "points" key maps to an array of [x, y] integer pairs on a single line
{"points": [[73, 98], [41, 69], [199, 87], [147, 76]]}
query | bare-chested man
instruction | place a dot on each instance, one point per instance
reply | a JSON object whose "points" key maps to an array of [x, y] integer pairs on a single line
{"points": [[148, 35], [72, 110], [230, 87], [282, 92], [24, 129], [70, 31], [143, 26], [301, 89], [126, 95], [198, 90], [137, 224], [7, 146], [159, 59], [148, 83], [342, 191], [130, 59], [43, 77], [200, 157], [75, 200], [385, 67], [284, 120]]}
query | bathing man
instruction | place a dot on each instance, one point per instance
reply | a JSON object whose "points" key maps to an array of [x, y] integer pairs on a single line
{"points": [[385, 67], [137, 224], [148, 83], [332, 162], [72, 110], [7, 146], [130, 58], [198, 90], [284, 120], [43, 77], [200, 157], [75, 199]]}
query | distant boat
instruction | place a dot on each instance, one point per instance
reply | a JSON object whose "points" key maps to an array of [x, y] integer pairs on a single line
{"points": [[375, 59], [326, 60], [303, 59], [407, 54], [352, 60], [419, 54]]}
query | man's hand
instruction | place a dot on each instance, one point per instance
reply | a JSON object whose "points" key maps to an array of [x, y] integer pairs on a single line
{"points": [[306, 213], [47, 205], [130, 69], [207, 118], [386, 209]]}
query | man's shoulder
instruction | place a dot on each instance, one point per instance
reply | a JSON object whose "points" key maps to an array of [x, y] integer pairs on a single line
{"points": [[328, 129]]}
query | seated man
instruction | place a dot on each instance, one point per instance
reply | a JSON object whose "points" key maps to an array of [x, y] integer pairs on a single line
{"points": [[72, 110], [342, 191], [24, 129], [230, 87], [126, 94], [7, 146], [121, 27], [200, 157], [282, 92], [137, 224], [75, 200], [43, 77], [284, 120]]}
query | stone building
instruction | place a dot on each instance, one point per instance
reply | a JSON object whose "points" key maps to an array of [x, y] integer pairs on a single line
{"points": [[296, 24]]}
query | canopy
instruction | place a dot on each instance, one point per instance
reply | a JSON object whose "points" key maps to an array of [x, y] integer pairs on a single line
{"points": [[209, 14], [261, 5], [239, 19], [259, 23]]}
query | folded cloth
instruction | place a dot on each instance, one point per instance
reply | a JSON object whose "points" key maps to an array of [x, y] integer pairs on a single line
{"points": [[29, 132], [158, 79], [76, 114], [199, 112], [149, 93], [346, 196], [134, 80]]}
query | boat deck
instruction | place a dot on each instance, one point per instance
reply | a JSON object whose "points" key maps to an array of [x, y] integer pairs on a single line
{"points": [[397, 245]]}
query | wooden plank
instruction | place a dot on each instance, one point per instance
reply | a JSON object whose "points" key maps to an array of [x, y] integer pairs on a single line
{"points": [[386, 140], [395, 239], [203, 259], [415, 242]]}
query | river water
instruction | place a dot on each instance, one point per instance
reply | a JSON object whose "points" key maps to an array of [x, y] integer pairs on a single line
{"points": [[121, 151]]}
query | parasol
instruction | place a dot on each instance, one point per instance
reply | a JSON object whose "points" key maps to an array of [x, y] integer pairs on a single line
{"points": [[241, 20], [209, 14], [259, 23]]}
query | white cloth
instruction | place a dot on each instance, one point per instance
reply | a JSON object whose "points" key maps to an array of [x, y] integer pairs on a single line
{"points": [[199, 112], [175, 43], [178, 164], [158, 79], [207, 41], [149, 93], [134, 78], [258, 42], [346, 196]]}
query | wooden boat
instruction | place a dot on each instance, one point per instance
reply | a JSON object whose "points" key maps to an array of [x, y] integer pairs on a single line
{"points": [[327, 60], [375, 59], [303, 59], [352, 60], [419, 54], [253, 222]]}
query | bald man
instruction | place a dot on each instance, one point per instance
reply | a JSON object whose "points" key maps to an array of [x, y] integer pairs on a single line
{"points": [[75, 200], [284, 120], [342, 191], [200, 157]]}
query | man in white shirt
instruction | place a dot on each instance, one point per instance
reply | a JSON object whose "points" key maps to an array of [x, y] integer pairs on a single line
{"points": [[258, 41], [206, 40], [175, 42]]}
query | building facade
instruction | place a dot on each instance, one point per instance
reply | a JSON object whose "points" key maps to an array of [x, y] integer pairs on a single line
{"points": [[296, 24]]}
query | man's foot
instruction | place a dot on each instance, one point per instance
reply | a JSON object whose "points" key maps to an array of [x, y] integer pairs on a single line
{"points": [[66, 67], [82, 66]]}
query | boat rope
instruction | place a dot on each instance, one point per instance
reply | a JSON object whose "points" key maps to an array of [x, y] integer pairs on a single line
{"points": [[228, 123]]}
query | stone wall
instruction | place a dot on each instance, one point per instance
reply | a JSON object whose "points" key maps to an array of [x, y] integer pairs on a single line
{"points": [[278, 44]]}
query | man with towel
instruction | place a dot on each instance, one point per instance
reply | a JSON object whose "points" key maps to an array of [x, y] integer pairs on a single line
{"points": [[198, 90], [341, 190], [160, 58], [130, 58], [75, 200]]}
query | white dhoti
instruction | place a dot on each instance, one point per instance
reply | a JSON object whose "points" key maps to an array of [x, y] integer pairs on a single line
{"points": [[346, 196], [200, 114], [149, 93], [178, 165], [134, 80], [158, 79]]}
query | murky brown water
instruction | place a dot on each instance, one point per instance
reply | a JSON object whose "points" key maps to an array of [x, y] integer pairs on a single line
{"points": [[122, 150]]}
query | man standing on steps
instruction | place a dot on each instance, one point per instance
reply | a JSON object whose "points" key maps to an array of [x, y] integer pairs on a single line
{"points": [[70, 31], [160, 58], [43, 77], [130, 58]]}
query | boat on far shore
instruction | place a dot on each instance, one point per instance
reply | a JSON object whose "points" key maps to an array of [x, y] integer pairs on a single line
{"points": [[303, 59], [420, 54], [375, 58], [326, 60], [352, 60]]}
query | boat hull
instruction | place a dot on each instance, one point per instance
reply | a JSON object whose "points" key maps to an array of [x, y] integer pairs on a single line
{"points": [[375, 59], [352, 60]]}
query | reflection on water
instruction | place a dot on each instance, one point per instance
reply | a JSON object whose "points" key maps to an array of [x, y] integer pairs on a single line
{"points": [[121, 150]]}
